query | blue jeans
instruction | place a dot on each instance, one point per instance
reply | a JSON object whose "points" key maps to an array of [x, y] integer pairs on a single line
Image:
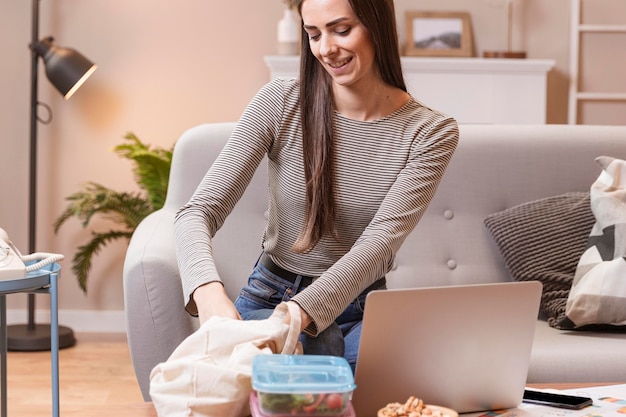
{"points": [[265, 291]]}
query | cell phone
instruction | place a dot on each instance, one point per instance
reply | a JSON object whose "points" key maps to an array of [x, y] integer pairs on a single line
{"points": [[572, 402]]}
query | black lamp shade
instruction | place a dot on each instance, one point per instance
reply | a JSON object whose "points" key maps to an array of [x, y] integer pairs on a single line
{"points": [[66, 68]]}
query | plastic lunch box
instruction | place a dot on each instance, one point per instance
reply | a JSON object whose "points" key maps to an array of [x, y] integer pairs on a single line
{"points": [[302, 385]]}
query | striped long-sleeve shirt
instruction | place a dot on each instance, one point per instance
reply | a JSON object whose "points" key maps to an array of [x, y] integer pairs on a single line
{"points": [[386, 173]]}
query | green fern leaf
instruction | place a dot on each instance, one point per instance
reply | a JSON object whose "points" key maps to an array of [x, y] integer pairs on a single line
{"points": [[82, 261]]}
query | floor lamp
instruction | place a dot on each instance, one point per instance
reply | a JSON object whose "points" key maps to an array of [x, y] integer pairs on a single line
{"points": [[66, 69]]}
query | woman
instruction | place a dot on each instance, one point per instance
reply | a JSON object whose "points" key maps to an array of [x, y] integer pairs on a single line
{"points": [[354, 161]]}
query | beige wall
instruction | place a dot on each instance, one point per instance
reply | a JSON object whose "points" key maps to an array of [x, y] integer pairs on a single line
{"points": [[165, 66]]}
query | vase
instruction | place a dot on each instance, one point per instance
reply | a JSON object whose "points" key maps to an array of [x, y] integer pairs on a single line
{"points": [[289, 33]]}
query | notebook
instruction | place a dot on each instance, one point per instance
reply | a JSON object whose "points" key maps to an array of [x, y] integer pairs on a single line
{"points": [[463, 347]]}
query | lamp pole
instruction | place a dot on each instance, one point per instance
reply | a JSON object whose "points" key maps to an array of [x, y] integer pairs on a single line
{"points": [[32, 187]]}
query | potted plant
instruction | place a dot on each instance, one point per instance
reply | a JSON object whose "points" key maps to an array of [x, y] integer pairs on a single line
{"points": [[151, 171]]}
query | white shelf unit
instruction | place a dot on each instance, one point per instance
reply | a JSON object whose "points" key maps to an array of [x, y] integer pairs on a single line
{"points": [[578, 28]]}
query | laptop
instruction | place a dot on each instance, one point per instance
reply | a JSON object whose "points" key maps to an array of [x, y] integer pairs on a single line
{"points": [[464, 347]]}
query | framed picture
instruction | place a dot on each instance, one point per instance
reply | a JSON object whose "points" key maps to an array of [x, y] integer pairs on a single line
{"points": [[438, 34]]}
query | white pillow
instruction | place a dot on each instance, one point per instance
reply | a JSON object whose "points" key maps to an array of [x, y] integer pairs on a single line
{"points": [[598, 293]]}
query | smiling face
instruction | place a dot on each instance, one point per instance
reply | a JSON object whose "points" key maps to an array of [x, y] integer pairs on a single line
{"points": [[340, 42]]}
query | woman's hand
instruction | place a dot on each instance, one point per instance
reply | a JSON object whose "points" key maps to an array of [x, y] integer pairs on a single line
{"points": [[211, 300]]}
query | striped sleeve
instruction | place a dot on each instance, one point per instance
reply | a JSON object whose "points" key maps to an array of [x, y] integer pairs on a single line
{"points": [[197, 222]]}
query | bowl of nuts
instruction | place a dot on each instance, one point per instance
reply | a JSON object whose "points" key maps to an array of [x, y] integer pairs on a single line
{"points": [[415, 407]]}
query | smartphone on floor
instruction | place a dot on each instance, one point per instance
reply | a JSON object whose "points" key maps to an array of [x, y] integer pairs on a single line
{"points": [[571, 402]]}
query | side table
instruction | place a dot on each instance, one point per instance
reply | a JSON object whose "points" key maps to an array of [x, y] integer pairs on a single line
{"points": [[44, 280]]}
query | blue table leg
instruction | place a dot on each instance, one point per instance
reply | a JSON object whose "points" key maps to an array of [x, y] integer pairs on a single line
{"points": [[3, 353], [54, 341]]}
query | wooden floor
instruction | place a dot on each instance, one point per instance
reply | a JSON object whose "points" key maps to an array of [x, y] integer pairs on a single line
{"points": [[96, 380], [96, 371]]}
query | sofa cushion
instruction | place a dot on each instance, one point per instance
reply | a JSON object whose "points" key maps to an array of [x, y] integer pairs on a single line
{"points": [[598, 293], [543, 240], [559, 352]]}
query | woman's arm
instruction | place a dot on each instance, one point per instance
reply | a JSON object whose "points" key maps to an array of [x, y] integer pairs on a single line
{"points": [[198, 221]]}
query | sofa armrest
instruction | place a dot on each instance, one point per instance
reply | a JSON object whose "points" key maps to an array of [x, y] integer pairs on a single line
{"points": [[155, 318]]}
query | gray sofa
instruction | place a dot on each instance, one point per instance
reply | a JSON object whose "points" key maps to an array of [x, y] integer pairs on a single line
{"points": [[494, 168]]}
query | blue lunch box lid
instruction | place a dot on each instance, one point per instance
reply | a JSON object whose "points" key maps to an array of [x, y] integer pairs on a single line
{"points": [[301, 374]]}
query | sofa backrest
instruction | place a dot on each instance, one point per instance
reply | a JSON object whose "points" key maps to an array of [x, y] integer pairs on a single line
{"points": [[194, 152], [495, 167]]}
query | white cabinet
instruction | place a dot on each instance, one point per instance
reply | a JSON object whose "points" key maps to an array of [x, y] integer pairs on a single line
{"points": [[473, 90]]}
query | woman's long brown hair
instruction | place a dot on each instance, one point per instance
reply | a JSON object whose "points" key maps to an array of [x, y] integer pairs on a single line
{"points": [[316, 112]]}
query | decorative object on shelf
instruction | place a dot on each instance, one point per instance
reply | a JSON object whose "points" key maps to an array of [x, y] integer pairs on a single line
{"points": [[151, 171], [289, 30], [508, 53], [67, 70], [438, 34]]}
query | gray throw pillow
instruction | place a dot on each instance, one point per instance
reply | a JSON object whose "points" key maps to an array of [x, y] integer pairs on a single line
{"points": [[543, 240]]}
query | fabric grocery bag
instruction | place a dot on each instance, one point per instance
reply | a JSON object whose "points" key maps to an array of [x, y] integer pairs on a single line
{"points": [[209, 373]]}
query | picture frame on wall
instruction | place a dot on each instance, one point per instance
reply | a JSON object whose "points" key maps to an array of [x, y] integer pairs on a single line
{"points": [[438, 34]]}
